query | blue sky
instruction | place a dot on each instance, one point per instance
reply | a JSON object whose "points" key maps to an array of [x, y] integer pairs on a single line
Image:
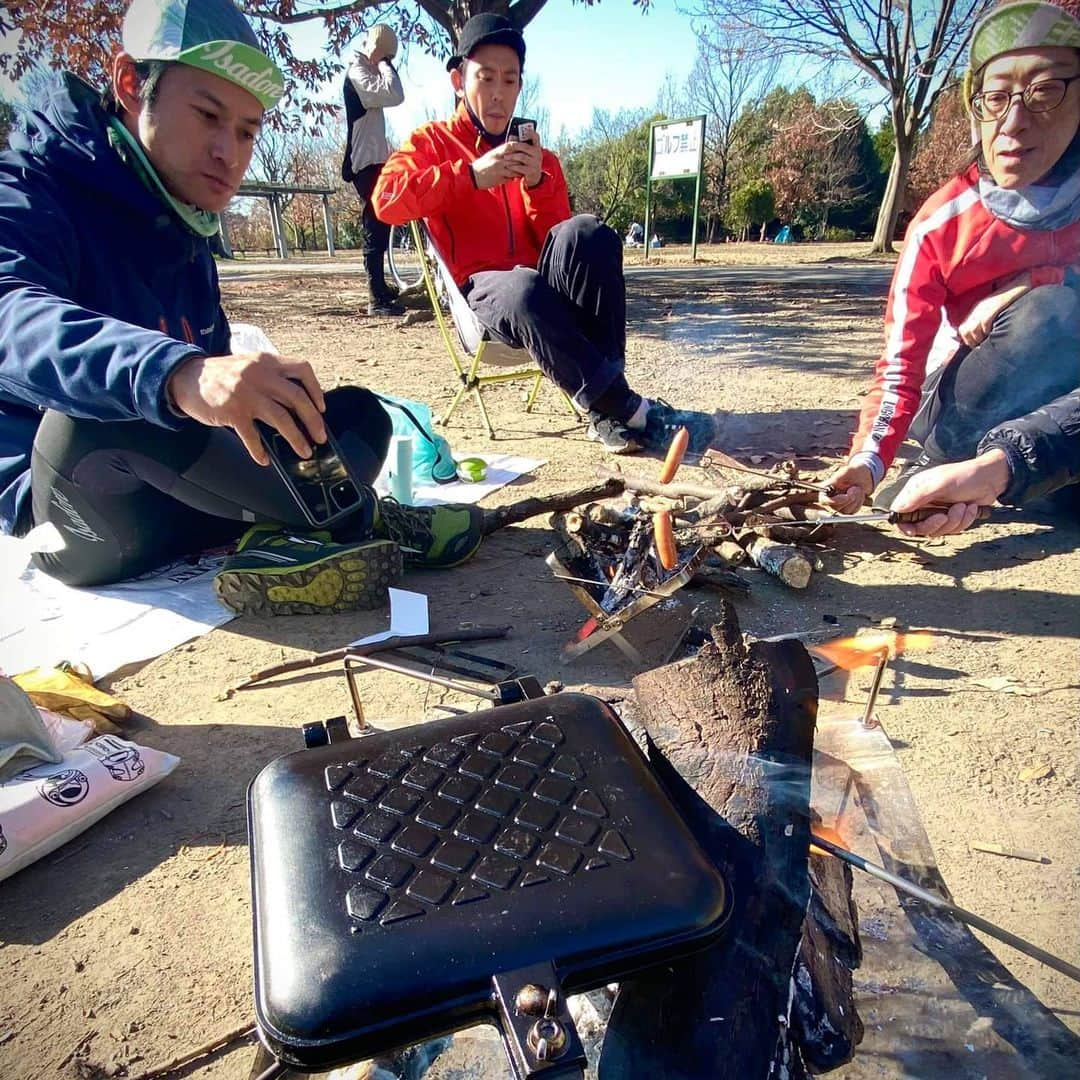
{"points": [[609, 56]]}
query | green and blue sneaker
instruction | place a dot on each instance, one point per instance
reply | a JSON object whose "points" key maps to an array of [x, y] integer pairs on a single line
{"points": [[662, 421], [431, 535], [276, 571]]}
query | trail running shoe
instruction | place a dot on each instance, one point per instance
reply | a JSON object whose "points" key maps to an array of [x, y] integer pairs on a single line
{"points": [[613, 435], [431, 535], [662, 421], [277, 572]]}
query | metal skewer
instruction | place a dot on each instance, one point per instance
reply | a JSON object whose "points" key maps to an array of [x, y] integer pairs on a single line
{"points": [[939, 902]]}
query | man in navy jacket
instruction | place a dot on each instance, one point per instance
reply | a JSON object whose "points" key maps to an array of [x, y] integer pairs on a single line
{"points": [[116, 374]]}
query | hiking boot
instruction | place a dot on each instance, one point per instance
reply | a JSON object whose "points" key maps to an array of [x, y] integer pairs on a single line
{"points": [[431, 535], [662, 421], [613, 435], [385, 308], [278, 572]]}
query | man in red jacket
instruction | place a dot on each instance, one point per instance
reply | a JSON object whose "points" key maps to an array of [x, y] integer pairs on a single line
{"points": [[499, 213]]}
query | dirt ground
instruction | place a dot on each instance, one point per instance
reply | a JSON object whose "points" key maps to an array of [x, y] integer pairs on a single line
{"points": [[132, 944]]}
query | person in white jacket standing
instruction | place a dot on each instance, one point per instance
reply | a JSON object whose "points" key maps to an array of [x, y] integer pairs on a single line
{"points": [[372, 85]]}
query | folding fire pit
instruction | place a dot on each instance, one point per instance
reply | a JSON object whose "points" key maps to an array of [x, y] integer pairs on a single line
{"points": [[410, 883]]}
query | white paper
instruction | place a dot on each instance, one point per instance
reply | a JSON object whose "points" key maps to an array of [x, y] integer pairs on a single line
{"points": [[502, 469], [408, 617], [43, 621]]}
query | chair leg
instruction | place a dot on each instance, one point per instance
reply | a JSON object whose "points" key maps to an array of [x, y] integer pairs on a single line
{"points": [[570, 403], [532, 393], [483, 412], [453, 405]]}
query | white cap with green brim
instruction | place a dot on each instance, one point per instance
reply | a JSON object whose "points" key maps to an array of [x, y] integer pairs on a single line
{"points": [[209, 34], [1025, 24]]}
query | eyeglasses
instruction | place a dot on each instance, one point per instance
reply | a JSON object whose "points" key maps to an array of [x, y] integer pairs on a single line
{"points": [[1038, 97]]}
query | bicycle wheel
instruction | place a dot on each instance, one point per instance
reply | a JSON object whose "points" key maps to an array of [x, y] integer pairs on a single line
{"points": [[402, 257]]}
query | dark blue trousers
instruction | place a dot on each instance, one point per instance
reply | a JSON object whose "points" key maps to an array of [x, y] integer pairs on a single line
{"points": [[569, 313]]}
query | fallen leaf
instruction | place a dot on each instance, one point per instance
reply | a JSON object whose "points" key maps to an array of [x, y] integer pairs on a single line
{"points": [[756, 459], [1037, 772], [1002, 684]]}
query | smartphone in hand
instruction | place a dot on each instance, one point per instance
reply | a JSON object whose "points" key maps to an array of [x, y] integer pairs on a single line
{"points": [[321, 484], [520, 130]]}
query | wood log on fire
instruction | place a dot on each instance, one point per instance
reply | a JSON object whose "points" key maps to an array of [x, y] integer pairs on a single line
{"points": [[729, 581], [827, 1024], [783, 561], [731, 734]]}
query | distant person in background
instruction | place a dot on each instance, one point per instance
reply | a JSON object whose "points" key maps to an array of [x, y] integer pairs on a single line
{"points": [[372, 85], [635, 235], [993, 258]]}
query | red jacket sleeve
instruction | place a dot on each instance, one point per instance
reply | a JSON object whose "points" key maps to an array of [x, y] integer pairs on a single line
{"points": [[416, 182], [913, 315], [549, 202]]}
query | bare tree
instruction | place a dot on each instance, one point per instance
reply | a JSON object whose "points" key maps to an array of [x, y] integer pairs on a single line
{"points": [[910, 48], [733, 67], [82, 35]]}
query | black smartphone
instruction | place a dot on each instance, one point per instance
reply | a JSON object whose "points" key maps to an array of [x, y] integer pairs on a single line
{"points": [[321, 484], [520, 130]]}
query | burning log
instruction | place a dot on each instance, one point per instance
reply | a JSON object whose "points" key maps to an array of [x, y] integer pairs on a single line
{"points": [[783, 561], [731, 734], [827, 1024], [724, 580]]}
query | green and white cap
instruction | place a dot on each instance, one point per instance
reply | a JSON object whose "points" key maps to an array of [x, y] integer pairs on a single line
{"points": [[209, 34], [1025, 24]]}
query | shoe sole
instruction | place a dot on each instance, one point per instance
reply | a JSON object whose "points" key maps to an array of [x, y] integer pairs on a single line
{"points": [[355, 580], [631, 447]]}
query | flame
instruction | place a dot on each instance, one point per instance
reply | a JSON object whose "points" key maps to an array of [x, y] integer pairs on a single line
{"points": [[823, 830], [865, 650]]}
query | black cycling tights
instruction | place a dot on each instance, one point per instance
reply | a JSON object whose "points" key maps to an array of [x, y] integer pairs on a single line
{"points": [[128, 497]]}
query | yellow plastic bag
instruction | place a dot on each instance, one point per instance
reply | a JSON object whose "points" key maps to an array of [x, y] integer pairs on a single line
{"points": [[63, 691]]}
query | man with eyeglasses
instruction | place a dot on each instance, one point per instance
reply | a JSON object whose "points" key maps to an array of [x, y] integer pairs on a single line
{"points": [[989, 279]]}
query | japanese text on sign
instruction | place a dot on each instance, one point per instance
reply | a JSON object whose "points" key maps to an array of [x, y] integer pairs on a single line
{"points": [[677, 148]]}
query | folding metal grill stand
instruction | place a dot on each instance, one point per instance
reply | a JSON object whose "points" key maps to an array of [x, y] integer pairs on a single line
{"points": [[610, 626], [504, 691]]}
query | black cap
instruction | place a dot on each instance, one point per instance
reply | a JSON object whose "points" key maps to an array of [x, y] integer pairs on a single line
{"points": [[487, 29]]}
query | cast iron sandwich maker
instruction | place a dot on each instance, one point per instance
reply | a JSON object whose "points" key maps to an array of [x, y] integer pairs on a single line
{"points": [[410, 883]]}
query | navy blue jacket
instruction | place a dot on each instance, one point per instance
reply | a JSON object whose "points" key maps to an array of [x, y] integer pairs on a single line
{"points": [[103, 290]]}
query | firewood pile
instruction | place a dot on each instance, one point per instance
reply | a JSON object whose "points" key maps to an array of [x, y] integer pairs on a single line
{"points": [[705, 531]]}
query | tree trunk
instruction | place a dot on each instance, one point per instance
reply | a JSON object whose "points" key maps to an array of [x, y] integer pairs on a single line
{"points": [[895, 189], [730, 734]]}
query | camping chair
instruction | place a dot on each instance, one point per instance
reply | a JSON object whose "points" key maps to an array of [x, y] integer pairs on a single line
{"points": [[472, 339]]}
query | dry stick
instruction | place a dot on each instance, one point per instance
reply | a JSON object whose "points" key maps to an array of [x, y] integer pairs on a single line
{"points": [[545, 504], [715, 457], [443, 637], [653, 487], [205, 1050]]}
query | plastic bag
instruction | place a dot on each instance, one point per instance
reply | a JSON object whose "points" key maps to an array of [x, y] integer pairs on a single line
{"points": [[45, 805], [433, 461]]}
